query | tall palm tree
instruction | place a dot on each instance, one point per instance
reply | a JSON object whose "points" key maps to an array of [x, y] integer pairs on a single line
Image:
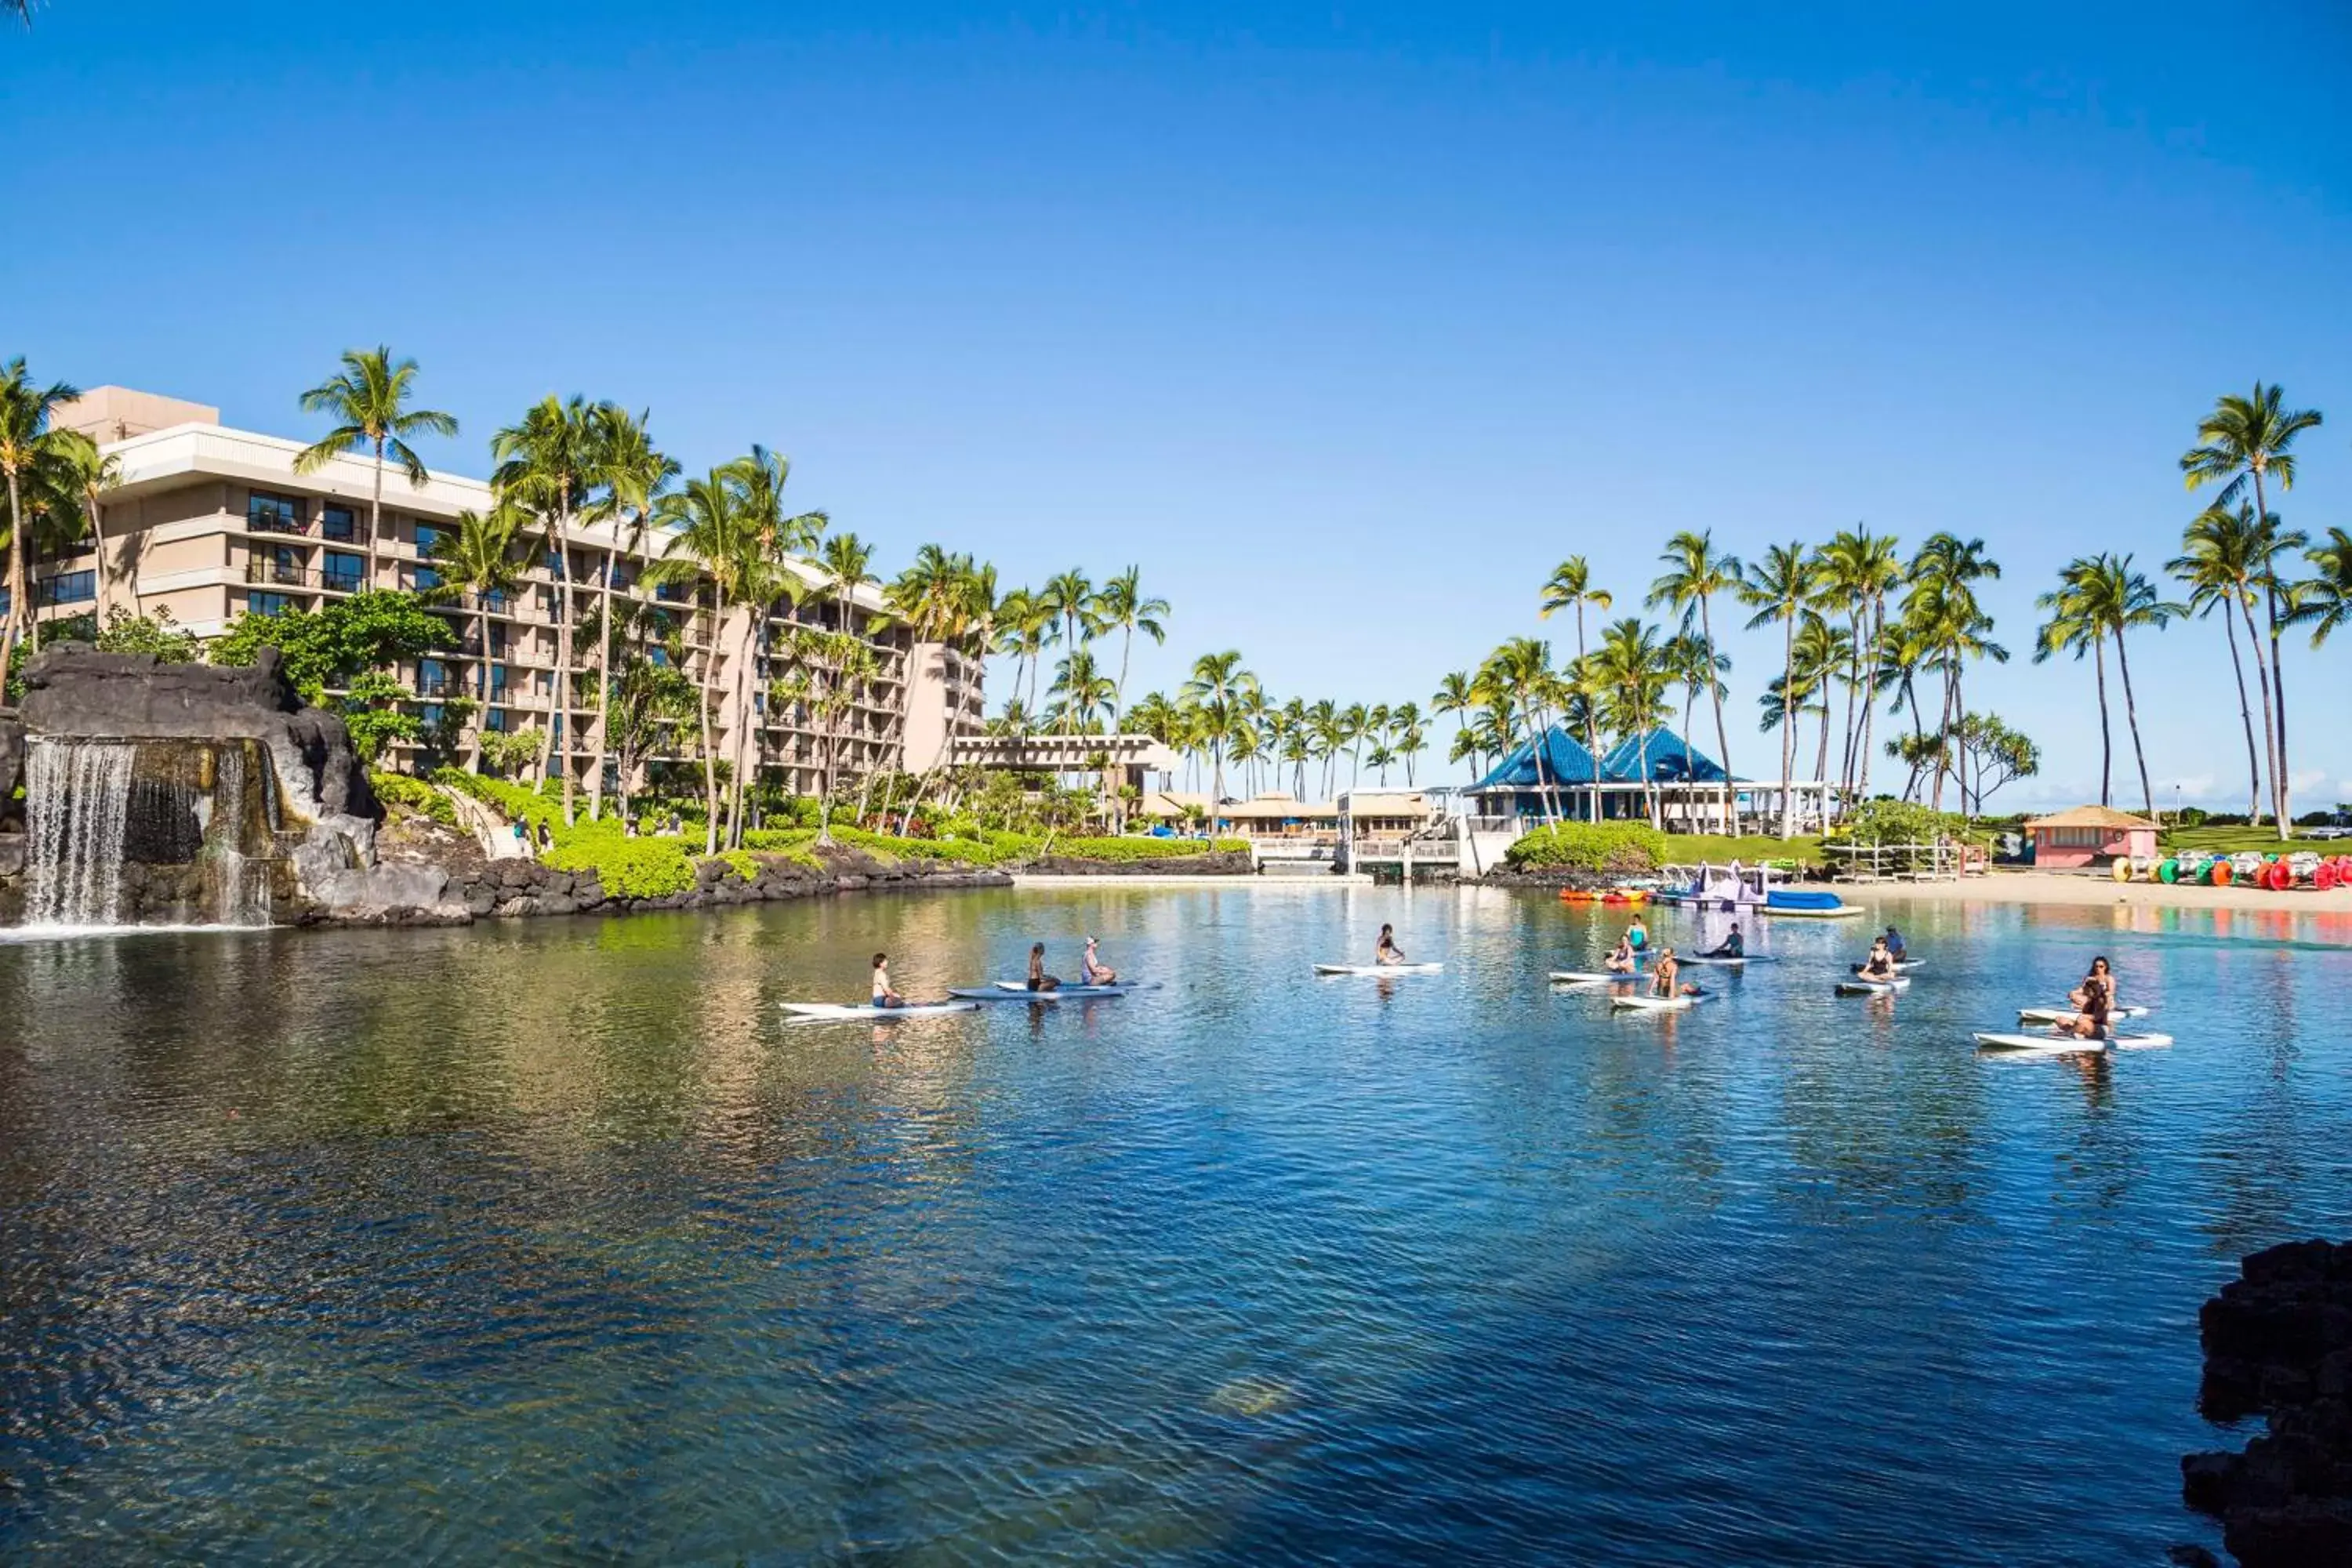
{"points": [[2325, 603], [2119, 599], [24, 436], [1695, 574], [2248, 441], [1629, 668], [2074, 627], [1406, 736], [547, 461], [481, 557], [759, 478], [2217, 566], [1069, 599], [1215, 689], [1082, 693], [849, 563], [1522, 666], [369, 402], [1569, 586], [631, 474], [1859, 569], [1023, 624], [1123, 606], [1453, 696], [84, 476], [1780, 587], [1950, 623]]}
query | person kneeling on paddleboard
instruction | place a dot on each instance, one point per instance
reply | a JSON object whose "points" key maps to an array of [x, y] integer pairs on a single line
{"points": [[1385, 950], [1732, 946], [1623, 961], [1663, 980], [1097, 971], [883, 996], [1880, 964], [1893, 940], [1038, 979]]}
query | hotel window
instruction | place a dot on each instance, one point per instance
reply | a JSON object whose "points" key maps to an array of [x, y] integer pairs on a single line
{"points": [[495, 721], [345, 572], [430, 714], [272, 513], [267, 604], [336, 522], [423, 578], [498, 683], [427, 538], [431, 678], [67, 588]]}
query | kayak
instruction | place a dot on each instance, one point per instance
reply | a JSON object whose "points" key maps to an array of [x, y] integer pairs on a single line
{"points": [[2053, 1014], [1871, 987], [1022, 994], [1654, 1003], [1377, 968], [1591, 977], [820, 1010]]}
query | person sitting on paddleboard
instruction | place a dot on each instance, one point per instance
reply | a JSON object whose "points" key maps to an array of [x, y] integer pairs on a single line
{"points": [[1624, 960], [1895, 948], [2097, 1000], [1038, 979], [1637, 934], [883, 996], [1732, 946], [1662, 983], [1385, 950], [1097, 971], [1880, 964]]}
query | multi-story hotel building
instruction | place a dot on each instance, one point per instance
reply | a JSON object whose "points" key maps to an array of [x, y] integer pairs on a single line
{"points": [[210, 523]]}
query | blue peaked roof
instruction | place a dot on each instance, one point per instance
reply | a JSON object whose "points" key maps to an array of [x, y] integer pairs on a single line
{"points": [[1670, 759]]}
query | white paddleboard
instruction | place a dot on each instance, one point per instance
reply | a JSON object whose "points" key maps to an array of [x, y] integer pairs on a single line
{"points": [[1727, 963], [2050, 1042], [1871, 987], [1654, 1003], [1023, 987], [1902, 966], [977, 994], [843, 1010], [1377, 968], [1592, 977], [2059, 1014]]}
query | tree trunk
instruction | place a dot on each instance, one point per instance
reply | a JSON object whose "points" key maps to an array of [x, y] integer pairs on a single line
{"points": [[375, 515], [1788, 723], [17, 583], [2131, 717], [709, 758], [2245, 713], [482, 676], [1722, 736], [603, 683], [2282, 784], [2107, 747], [564, 657], [2263, 680], [1870, 695], [1821, 763]]}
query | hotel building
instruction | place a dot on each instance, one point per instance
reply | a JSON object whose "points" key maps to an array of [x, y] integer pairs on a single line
{"points": [[210, 523]]}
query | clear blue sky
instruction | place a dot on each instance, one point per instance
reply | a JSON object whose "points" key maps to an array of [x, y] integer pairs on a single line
{"points": [[1344, 321]]}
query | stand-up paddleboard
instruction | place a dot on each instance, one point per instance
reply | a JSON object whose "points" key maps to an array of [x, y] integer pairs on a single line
{"points": [[1654, 1003], [1901, 965], [1023, 987], [1066, 993], [1871, 987], [1377, 968], [1741, 962], [1592, 977], [847, 1010], [2047, 1042], [2059, 1014]]}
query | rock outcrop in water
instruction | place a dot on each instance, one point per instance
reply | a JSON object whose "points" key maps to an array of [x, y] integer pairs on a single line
{"points": [[2278, 1342]]}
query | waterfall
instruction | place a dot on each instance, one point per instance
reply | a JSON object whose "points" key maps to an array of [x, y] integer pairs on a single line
{"points": [[242, 895], [77, 793]]}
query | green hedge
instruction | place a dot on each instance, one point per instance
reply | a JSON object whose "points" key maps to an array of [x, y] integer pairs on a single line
{"points": [[1132, 847], [1879, 822], [414, 795], [1623, 848]]}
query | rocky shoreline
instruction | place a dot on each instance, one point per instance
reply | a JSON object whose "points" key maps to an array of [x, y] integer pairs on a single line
{"points": [[2278, 1343]]}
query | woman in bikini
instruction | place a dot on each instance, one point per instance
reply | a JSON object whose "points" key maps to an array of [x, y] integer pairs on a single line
{"points": [[2095, 1002], [1038, 979]]}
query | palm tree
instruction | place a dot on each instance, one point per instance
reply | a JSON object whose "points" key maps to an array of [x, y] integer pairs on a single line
{"points": [[1123, 604], [1779, 588], [848, 563], [1859, 569], [2071, 628], [1630, 669], [1949, 622], [1570, 586], [1023, 624], [2217, 565], [1453, 696], [632, 474], [2325, 603], [1082, 693], [1522, 666], [1407, 736], [25, 410], [707, 537], [369, 402], [2250, 439], [1695, 574], [85, 476], [547, 461], [479, 557], [1215, 689], [1070, 599], [759, 478], [2116, 598]]}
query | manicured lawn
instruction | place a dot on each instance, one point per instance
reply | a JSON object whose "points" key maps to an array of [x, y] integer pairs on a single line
{"points": [[1690, 848], [2230, 840]]}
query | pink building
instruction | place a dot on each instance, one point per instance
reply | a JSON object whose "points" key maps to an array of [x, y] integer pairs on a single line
{"points": [[2089, 835]]}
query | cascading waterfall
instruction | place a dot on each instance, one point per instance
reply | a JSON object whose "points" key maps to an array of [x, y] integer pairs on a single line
{"points": [[243, 891], [77, 796]]}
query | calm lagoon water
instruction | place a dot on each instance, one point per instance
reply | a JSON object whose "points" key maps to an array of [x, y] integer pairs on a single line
{"points": [[555, 1241]]}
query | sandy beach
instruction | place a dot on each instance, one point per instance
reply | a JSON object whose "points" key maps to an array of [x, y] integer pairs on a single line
{"points": [[2058, 888]]}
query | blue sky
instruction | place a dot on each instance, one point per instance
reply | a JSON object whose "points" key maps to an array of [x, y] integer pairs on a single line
{"points": [[1346, 322]]}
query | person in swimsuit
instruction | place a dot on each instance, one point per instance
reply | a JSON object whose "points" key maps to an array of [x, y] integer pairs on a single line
{"points": [[883, 996], [1893, 940], [1624, 961], [1038, 979], [1097, 971], [1385, 950], [1880, 964], [1637, 934], [1662, 982], [2095, 1000], [1732, 946]]}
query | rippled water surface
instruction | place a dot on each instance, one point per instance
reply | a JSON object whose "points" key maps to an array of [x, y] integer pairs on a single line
{"points": [[555, 1241]]}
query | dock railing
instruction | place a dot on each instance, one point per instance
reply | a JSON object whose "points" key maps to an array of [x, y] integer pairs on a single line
{"points": [[1941, 861]]}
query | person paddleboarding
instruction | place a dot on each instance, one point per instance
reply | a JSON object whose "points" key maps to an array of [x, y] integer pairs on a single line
{"points": [[1880, 964], [2094, 1000], [1038, 979], [1385, 951], [1732, 946], [1637, 934], [1624, 960], [1893, 940], [1096, 970], [1663, 980], [884, 996]]}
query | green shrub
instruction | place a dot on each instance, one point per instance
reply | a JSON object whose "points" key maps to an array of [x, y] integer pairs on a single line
{"points": [[1881, 822], [1132, 847], [414, 795], [1616, 847], [626, 868]]}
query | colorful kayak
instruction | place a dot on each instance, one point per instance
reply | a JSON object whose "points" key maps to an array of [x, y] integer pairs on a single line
{"points": [[1871, 987], [840, 1011], [1377, 968]]}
